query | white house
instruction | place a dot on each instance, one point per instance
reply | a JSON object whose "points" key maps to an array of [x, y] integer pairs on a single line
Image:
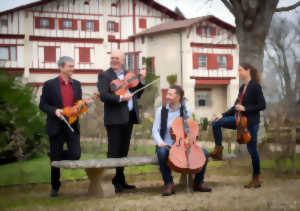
{"points": [[203, 53], [34, 36]]}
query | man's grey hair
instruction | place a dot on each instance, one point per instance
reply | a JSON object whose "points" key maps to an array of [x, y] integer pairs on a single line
{"points": [[63, 59]]}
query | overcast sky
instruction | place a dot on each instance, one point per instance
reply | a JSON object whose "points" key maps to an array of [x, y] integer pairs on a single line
{"points": [[190, 8]]}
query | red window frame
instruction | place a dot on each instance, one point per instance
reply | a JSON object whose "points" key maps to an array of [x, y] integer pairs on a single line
{"points": [[212, 61], [9, 52], [212, 31], [96, 25]]}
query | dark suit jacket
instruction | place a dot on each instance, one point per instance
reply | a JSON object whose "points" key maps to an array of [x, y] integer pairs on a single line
{"points": [[116, 112], [51, 100], [253, 101]]}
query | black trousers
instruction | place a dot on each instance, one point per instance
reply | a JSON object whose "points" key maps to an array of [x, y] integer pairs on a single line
{"points": [[119, 136], [57, 153]]}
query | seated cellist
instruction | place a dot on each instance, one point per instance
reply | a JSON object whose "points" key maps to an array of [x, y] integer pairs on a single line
{"points": [[253, 101], [164, 117]]}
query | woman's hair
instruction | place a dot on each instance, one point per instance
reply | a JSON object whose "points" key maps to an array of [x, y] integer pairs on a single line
{"points": [[254, 73], [179, 91]]}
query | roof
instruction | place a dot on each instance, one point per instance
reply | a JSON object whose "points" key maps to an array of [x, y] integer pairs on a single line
{"points": [[182, 24], [151, 3]]}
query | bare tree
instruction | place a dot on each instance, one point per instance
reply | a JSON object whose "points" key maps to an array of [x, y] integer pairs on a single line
{"points": [[253, 19]]}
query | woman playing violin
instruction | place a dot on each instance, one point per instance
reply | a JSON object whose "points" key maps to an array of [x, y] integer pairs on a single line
{"points": [[249, 103]]}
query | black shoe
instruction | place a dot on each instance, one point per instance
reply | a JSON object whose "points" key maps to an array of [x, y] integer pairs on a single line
{"points": [[54, 193], [128, 187], [118, 188]]}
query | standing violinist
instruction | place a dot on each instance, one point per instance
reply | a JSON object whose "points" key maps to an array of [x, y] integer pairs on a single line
{"points": [[253, 101], [58, 93], [120, 113], [164, 117]]}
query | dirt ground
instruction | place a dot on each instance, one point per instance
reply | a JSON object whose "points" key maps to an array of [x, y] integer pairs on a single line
{"points": [[279, 192]]}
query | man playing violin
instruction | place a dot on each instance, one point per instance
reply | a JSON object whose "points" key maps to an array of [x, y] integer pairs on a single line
{"points": [[120, 113], [58, 93], [164, 117]]}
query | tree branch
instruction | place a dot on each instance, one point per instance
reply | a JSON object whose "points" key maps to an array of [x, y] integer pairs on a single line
{"points": [[285, 9], [228, 5]]}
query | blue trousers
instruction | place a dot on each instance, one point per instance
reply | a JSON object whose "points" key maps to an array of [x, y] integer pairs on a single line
{"points": [[229, 123], [163, 154]]}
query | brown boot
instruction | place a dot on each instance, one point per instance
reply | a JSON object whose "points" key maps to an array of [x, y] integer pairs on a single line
{"points": [[201, 188], [169, 190], [255, 183], [217, 154]]}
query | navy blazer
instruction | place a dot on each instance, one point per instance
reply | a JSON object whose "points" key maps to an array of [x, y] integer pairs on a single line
{"points": [[51, 100], [253, 101], [116, 112]]}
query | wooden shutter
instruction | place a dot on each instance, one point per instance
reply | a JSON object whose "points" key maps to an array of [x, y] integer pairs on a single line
{"points": [[96, 26], [212, 61], [83, 25], [199, 30], [37, 22], [153, 64], [213, 31], [229, 61], [84, 55], [142, 23], [116, 27], [51, 23], [195, 61], [74, 24], [61, 23], [50, 54], [164, 96]]}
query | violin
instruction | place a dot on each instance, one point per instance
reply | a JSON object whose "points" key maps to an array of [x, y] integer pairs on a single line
{"points": [[120, 87], [72, 112], [185, 155], [243, 135]]}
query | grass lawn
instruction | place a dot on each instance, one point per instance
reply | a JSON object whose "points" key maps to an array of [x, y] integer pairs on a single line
{"points": [[38, 170]]}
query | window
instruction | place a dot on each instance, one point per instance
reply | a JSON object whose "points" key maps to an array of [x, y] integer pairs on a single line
{"points": [[202, 61], [67, 24], [50, 54], [222, 61], [8, 53], [112, 26], [4, 22], [44, 23], [90, 25], [206, 31], [202, 98], [129, 61], [84, 55]]}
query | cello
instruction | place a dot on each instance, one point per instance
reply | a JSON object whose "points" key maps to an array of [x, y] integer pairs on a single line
{"points": [[185, 155]]}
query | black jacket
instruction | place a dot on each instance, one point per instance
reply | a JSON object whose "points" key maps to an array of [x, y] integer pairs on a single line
{"points": [[51, 100], [253, 101], [116, 112]]}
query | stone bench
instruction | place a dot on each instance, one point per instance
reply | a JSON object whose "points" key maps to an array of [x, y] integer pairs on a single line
{"points": [[94, 168]]}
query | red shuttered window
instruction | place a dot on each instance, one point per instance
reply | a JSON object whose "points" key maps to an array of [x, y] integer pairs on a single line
{"points": [[84, 55], [212, 63], [90, 25], [44, 23], [67, 24], [112, 26]]}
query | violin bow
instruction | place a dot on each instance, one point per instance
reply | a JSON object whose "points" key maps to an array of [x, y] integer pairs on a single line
{"points": [[140, 89], [64, 119]]}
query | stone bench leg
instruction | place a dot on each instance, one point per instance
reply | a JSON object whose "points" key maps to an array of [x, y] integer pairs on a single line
{"points": [[95, 177]]}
